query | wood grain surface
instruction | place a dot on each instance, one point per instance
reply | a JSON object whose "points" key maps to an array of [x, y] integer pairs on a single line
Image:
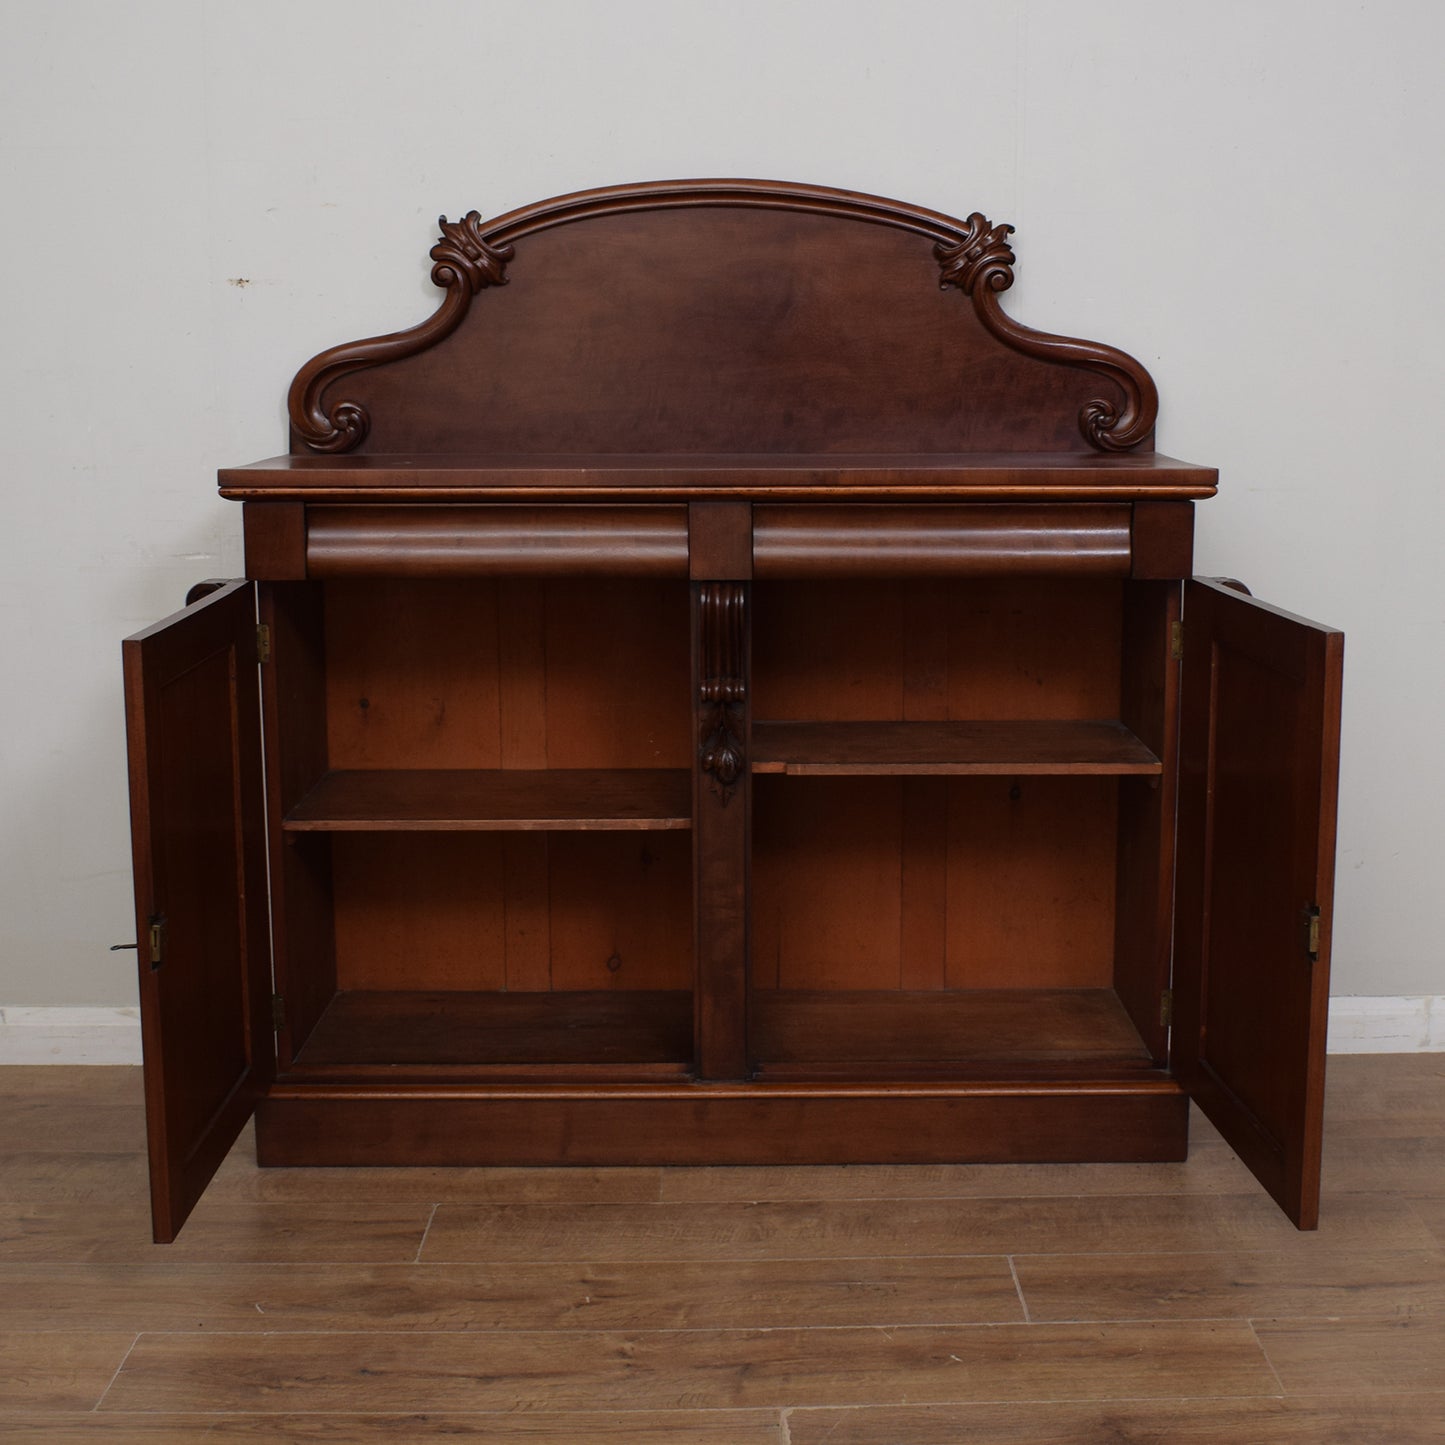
{"points": [[1018, 1304]]}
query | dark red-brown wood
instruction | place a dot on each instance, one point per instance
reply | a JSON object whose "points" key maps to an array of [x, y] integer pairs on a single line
{"points": [[722, 785], [940, 748], [898, 1122], [452, 1027], [275, 540], [722, 315], [433, 800], [294, 717], [506, 541], [984, 539], [1000, 1029], [669, 475], [1259, 780], [199, 847], [1144, 895], [1162, 543]]}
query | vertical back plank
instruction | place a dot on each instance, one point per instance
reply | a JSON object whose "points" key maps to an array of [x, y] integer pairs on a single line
{"points": [[527, 939], [924, 874], [522, 671]]}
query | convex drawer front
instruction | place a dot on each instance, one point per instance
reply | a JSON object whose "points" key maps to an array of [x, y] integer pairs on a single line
{"points": [[985, 539], [464, 541], [728, 695]]}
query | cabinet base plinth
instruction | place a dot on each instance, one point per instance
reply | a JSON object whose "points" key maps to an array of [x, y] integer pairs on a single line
{"points": [[1056, 1122]]}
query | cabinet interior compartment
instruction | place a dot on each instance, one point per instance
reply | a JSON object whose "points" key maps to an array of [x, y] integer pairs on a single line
{"points": [[962, 825], [480, 813]]}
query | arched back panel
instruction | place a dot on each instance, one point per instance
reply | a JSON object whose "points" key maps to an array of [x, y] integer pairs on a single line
{"points": [[721, 317]]}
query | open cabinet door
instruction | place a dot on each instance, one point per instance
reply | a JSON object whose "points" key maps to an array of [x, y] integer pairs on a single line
{"points": [[198, 840], [1259, 763]]}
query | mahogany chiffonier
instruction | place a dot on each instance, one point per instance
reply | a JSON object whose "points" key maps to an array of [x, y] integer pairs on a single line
{"points": [[719, 691]]}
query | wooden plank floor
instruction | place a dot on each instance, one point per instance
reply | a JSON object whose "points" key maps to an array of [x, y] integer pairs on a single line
{"points": [[1028, 1304]]}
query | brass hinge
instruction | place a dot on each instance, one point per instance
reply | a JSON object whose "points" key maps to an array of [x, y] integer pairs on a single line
{"points": [[1166, 1007], [1176, 641], [157, 941], [263, 642], [278, 1011], [1312, 931]]}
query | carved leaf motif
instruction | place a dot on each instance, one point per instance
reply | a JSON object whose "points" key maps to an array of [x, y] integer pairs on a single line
{"points": [[722, 749], [464, 263], [463, 253], [980, 264], [982, 254], [721, 685]]}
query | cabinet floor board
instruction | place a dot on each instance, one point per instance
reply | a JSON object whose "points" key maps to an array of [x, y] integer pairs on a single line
{"points": [[983, 1026], [388, 1027]]}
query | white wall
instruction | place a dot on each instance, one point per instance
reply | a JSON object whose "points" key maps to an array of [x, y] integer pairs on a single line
{"points": [[1246, 195]]}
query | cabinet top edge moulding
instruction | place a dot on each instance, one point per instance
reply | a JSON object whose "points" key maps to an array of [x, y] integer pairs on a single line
{"points": [[705, 338]]}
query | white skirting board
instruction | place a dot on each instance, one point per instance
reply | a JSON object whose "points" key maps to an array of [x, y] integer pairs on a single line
{"points": [[112, 1035], [1414, 1024], [69, 1036]]}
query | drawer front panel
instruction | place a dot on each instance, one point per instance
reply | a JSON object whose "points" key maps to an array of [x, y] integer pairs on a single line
{"points": [[942, 541], [465, 541]]}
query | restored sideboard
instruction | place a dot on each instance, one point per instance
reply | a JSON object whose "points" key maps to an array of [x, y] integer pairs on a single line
{"points": [[720, 691]]}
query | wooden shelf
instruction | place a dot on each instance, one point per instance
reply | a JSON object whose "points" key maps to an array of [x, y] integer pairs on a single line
{"points": [[989, 1027], [394, 1028], [894, 748], [438, 801]]}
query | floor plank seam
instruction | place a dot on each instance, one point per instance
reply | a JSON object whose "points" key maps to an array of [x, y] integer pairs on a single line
{"points": [[1019, 1290], [426, 1230], [593, 1261], [1268, 1361], [724, 1410], [94, 1409], [502, 1413], [886, 1328]]}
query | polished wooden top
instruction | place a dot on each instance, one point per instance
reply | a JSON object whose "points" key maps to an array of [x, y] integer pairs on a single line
{"points": [[656, 476]]}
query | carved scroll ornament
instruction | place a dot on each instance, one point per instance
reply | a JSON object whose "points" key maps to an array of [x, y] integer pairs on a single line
{"points": [[980, 264], [465, 263], [721, 688]]}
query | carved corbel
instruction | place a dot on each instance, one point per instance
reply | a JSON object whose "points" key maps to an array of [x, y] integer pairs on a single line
{"points": [[721, 687]]}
